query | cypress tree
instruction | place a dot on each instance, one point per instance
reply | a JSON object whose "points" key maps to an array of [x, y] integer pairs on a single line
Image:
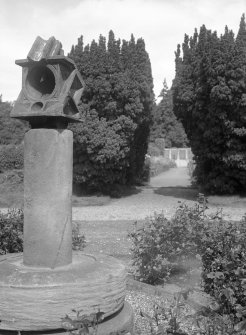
{"points": [[209, 98], [165, 124], [12, 131], [116, 109], [236, 153]]}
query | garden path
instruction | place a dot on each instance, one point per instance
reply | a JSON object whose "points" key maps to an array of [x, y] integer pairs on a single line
{"points": [[157, 196], [163, 194]]}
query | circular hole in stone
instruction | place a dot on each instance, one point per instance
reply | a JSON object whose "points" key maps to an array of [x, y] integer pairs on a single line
{"points": [[37, 106], [40, 81]]}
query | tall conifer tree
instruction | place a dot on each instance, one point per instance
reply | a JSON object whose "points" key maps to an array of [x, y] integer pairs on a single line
{"points": [[165, 124], [210, 100], [116, 108]]}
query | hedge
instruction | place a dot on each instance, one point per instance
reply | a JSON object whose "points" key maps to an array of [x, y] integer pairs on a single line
{"points": [[11, 157]]}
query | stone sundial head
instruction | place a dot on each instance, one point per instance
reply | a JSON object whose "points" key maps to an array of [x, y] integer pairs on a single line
{"points": [[51, 86]]}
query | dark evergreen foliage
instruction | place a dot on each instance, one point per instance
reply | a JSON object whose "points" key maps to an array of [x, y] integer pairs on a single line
{"points": [[111, 143], [11, 131], [165, 124], [209, 95]]}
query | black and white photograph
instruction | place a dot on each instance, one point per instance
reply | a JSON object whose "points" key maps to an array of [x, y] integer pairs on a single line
{"points": [[123, 167]]}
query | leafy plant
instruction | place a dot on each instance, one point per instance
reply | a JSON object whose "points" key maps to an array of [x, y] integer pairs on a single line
{"points": [[223, 253], [160, 243], [209, 322], [82, 324], [11, 157], [166, 129], [205, 321], [11, 130], [170, 316], [78, 240], [11, 231], [154, 150]]}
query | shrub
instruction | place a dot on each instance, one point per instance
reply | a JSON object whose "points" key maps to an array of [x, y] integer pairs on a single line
{"points": [[223, 252], [153, 150], [12, 131], [11, 157], [160, 243], [11, 232], [160, 143]]}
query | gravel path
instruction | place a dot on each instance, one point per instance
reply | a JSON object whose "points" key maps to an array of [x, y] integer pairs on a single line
{"points": [[163, 194]]}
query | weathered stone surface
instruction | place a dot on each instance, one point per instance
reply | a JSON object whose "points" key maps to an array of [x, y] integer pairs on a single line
{"points": [[47, 197], [51, 86], [34, 298], [42, 49], [47, 283]]}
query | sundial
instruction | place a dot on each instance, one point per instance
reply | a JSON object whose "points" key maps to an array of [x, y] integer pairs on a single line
{"points": [[48, 281]]}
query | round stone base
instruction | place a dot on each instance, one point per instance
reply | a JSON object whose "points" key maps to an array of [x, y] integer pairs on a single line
{"points": [[121, 322], [36, 299]]}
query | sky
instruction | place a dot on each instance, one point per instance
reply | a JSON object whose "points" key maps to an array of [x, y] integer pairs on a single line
{"points": [[161, 23]]}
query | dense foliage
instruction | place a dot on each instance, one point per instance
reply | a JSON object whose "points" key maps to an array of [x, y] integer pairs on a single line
{"points": [[160, 243], [209, 96], [111, 143], [165, 124], [11, 231], [11, 157], [224, 265], [11, 130]]}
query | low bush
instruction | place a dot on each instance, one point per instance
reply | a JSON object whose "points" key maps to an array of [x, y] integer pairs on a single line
{"points": [[11, 232], [176, 319], [223, 253], [162, 243], [11, 157]]}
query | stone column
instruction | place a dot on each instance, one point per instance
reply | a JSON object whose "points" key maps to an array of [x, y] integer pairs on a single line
{"points": [[47, 197]]}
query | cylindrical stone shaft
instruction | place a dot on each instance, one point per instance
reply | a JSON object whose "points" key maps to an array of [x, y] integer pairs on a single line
{"points": [[48, 159]]}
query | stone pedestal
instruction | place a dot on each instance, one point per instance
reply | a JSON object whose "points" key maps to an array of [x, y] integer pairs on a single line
{"points": [[48, 162], [44, 285], [35, 299], [47, 282]]}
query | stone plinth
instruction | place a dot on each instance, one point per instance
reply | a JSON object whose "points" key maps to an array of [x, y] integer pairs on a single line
{"points": [[42, 286], [35, 299], [48, 160]]}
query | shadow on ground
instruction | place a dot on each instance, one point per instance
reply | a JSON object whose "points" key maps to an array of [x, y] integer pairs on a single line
{"points": [[82, 197], [186, 193]]}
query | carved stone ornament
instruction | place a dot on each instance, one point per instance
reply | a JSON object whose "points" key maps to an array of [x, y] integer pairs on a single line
{"points": [[51, 86]]}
